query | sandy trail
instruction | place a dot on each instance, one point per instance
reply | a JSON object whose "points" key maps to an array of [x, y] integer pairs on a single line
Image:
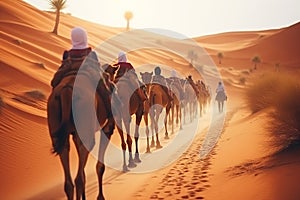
{"points": [[153, 166]]}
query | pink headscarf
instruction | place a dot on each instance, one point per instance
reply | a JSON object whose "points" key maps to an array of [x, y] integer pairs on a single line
{"points": [[122, 57], [79, 38]]}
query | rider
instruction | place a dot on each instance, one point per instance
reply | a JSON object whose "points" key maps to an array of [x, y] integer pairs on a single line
{"points": [[80, 49], [159, 79], [220, 90], [125, 67]]}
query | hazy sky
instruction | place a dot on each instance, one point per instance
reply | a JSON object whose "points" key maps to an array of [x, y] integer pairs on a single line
{"points": [[188, 17]]}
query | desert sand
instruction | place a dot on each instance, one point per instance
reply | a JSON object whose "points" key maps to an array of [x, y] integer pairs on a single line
{"points": [[243, 164]]}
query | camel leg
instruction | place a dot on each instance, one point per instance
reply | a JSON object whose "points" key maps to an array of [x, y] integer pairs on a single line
{"points": [[136, 137], [184, 113], [152, 113], [165, 121], [80, 178], [178, 118], [158, 112], [131, 163], [191, 111], [123, 145], [172, 119], [170, 116], [200, 109], [100, 167], [147, 132], [64, 158]]}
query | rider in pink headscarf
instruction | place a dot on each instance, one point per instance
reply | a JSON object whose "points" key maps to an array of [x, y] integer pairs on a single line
{"points": [[124, 67]]}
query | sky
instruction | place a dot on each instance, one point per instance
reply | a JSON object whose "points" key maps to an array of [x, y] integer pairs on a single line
{"points": [[190, 18]]}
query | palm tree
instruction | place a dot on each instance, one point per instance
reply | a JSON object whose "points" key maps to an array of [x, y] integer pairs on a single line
{"points": [[128, 16], [220, 56], [256, 60], [192, 55], [57, 5]]}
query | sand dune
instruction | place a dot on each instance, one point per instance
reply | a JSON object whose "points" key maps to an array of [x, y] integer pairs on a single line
{"points": [[272, 46], [30, 54]]}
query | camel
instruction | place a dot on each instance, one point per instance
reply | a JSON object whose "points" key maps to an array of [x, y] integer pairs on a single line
{"points": [[203, 97], [158, 100], [67, 116], [131, 104], [190, 100], [177, 95]]}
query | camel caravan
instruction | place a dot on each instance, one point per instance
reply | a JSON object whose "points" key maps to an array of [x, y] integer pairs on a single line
{"points": [[88, 97]]}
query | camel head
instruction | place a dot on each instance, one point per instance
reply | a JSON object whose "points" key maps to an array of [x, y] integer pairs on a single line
{"points": [[146, 77]]}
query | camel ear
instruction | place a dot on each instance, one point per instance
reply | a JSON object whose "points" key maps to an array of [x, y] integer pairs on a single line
{"points": [[151, 73], [141, 73]]}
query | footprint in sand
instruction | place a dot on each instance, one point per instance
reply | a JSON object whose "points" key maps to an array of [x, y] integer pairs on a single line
{"points": [[201, 189], [154, 196], [191, 187], [204, 168], [204, 176], [192, 194], [195, 183]]}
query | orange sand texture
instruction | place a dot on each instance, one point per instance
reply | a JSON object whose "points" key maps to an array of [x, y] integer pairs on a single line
{"points": [[239, 167]]}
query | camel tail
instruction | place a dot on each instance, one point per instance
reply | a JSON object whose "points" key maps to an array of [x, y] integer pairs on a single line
{"points": [[62, 134]]}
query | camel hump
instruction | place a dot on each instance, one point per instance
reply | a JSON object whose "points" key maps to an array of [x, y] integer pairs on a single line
{"points": [[71, 63]]}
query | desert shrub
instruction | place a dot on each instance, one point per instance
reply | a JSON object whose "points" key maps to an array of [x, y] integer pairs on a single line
{"points": [[41, 65], [245, 72], [287, 112], [36, 94], [282, 93], [18, 42], [261, 94], [242, 80]]}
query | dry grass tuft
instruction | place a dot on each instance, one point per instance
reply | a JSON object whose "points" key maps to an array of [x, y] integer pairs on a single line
{"points": [[282, 93], [246, 72], [261, 94], [242, 80], [36, 94], [40, 65]]}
